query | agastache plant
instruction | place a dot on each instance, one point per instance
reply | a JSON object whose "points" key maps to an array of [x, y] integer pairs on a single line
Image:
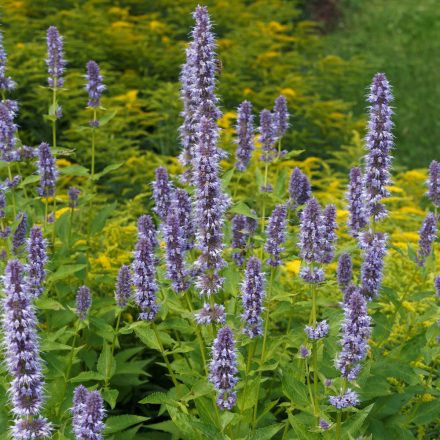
{"points": [[94, 85], [123, 288], [183, 205], [83, 302], [55, 58], [22, 356], [344, 271], [267, 136], [6, 82], [329, 236], [276, 235], [47, 171], [162, 193], [357, 218], [147, 228], [245, 135], [8, 129], [379, 142], [280, 119], [427, 236], [299, 188], [434, 183], [36, 262], [19, 238], [242, 229]]}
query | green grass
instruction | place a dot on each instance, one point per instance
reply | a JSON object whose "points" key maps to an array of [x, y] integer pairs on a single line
{"points": [[402, 39]]}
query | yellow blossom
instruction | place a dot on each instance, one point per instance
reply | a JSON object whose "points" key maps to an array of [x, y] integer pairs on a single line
{"points": [[293, 266]]}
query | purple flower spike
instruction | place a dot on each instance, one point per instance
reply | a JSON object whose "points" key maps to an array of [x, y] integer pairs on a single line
{"points": [[19, 238], [94, 84], [55, 58], [2, 203], [345, 400], [434, 183], [37, 259], [374, 251], [318, 332], [345, 270], [47, 171], [88, 414], [312, 275], [175, 251], [123, 287], [242, 229], [73, 196], [379, 142], [427, 234], [280, 117], [223, 368], [147, 228], [162, 193], [20, 341], [330, 226], [276, 235], [312, 232], [144, 278], [357, 218], [80, 395], [267, 136], [183, 205], [252, 291], [355, 334], [437, 285], [211, 315], [299, 188], [83, 302], [245, 135], [6, 83], [8, 129]]}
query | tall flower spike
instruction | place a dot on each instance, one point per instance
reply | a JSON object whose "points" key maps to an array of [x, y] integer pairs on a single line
{"points": [[83, 302], [379, 142], [144, 278], [210, 206], [437, 285], [162, 193], [147, 228], [299, 188], [223, 368], [318, 332], [280, 117], [55, 58], [245, 135], [73, 196], [19, 238], [94, 86], [88, 415], [8, 129], [252, 291], [355, 334], [330, 226], [22, 357], [80, 395], [312, 232], [345, 270], [6, 83], [175, 251], [357, 218], [434, 183], [47, 171], [36, 261], [374, 251], [123, 287], [427, 234], [276, 235], [239, 238], [183, 205], [267, 136]]}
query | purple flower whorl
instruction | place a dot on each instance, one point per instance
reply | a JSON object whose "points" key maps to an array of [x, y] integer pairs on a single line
{"points": [[319, 331], [427, 234], [88, 414], [345, 270], [434, 183], [162, 193], [344, 400], [437, 285], [357, 218], [6, 83], [267, 136], [252, 291], [280, 117], [147, 228], [8, 129], [245, 135], [379, 142], [355, 333], [55, 58], [22, 357], [36, 261], [19, 238], [183, 205], [299, 188], [223, 368], [242, 229], [374, 251], [312, 232], [276, 235], [47, 171], [123, 287], [83, 302], [73, 196], [214, 314], [329, 237], [94, 86]]}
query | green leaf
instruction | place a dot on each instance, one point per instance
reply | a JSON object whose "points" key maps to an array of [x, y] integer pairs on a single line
{"points": [[106, 363], [293, 153], [427, 412], [242, 208], [355, 421], [45, 303], [226, 178], [295, 390], [266, 432], [66, 271], [100, 219], [110, 396], [148, 337], [86, 376], [107, 169], [107, 118], [159, 399], [74, 170], [28, 180], [119, 423]]}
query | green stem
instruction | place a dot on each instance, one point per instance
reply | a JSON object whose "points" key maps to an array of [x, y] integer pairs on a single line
{"points": [[14, 207], [46, 211], [237, 184], [93, 143], [338, 425], [164, 355], [315, 354]]}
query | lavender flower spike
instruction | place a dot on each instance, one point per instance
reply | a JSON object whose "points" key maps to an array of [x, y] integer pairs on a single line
{"points": [[318, 332], [94, 86], [239, 238], [245, 135], [83, 302], [280, 117], [299, 188], [162, 193], [47, 171], [345, 400], [183, 205], [437, 285], [267, 136], [19, 238], [223, 368], [6, 83], [374, 251], [22, 356], [8, 129], [330, 226], [434, 183], [37, 259], [357, 218], [214, 314], [80, 395], [88, 414], [252, 291], [55, 58], [355, 334], [73, 196], [345, 270], [427, 234], [147, 228], [123, 287], [276, 235], [312, 230], [379, 142]]}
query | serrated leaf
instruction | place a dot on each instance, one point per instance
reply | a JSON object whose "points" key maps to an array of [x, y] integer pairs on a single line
{"points": [[159, 399], [66, 271], [44, 303], [106, 363], [74, 170], [148, 337], [119, 423], [101, 217], [295, 390], [28, 180], [85, 376], [243, 209], [267, 432], [355, 421], [110, 396], [107, 118]]}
